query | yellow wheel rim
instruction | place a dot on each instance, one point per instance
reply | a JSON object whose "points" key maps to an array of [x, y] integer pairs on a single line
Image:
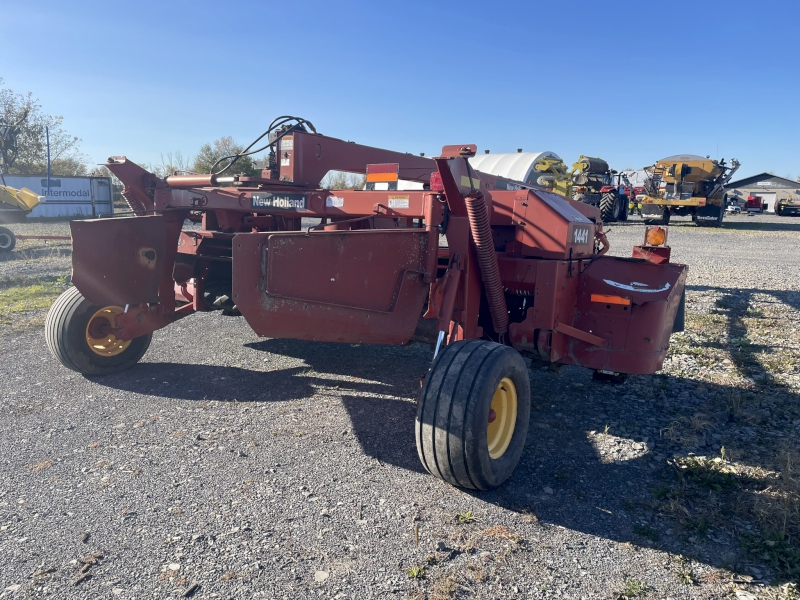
{"points": [[100, 332], [502, 418]]}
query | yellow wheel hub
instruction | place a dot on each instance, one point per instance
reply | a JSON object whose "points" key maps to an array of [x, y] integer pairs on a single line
{"points": [[502, 418], [100, 332]]}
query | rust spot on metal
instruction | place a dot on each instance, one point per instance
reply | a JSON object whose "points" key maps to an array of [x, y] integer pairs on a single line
{"points": [[147, 257]]}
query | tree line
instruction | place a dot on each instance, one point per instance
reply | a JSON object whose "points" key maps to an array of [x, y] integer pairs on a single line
{"points": [[23, 114]]}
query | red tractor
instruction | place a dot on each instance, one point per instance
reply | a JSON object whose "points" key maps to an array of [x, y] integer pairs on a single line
{"points": [[518, 272]]}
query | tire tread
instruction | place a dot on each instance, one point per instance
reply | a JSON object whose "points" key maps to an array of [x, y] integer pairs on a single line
{"points": [[452, 394]]}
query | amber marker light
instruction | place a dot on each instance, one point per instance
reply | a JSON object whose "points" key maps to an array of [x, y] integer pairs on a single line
{"points": [[655, 236]]}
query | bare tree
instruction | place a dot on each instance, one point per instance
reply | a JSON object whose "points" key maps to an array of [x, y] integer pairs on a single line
{"points": [[172, 163], [340, 180], [31, 155]]}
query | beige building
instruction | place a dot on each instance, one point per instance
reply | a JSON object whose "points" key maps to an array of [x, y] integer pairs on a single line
{"points": [[770, 187]]}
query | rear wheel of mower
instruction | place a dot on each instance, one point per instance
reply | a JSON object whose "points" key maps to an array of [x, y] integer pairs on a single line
{"points": [[609, 207], [7, 240], [80, 335], [473, 413]]}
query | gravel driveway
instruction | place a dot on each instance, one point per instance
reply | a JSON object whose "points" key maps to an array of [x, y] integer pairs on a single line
{"points": [[228, 466]]}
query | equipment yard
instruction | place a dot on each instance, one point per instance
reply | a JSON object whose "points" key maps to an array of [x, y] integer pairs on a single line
{"points": [[251, 467]]}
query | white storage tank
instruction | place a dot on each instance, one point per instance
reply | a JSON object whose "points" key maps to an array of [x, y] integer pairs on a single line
{"points": [[514, 165]]}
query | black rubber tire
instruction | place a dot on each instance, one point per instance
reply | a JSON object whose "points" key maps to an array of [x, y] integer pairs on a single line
{"points": [[718, 222], [453, 414], [666, 216], [609, 207], [65, 333], [7, 240], [778, 211], [623, 211]]}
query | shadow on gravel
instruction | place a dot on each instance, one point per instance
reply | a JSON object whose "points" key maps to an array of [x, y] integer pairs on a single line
{"points": [[227, 384], [633, 463], [399, 367], [384, 429], [626, 463], [756, 225], [675, 497], [364, 369], [383, 426], [210, 382], [743, 312]]}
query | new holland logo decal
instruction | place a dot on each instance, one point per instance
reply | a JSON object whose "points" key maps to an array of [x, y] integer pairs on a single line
{"points": [[278, 201]]}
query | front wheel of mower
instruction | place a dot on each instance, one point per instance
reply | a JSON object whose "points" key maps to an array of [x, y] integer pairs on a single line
{"points": [[7, 240], [80, 335], [473, 413]]}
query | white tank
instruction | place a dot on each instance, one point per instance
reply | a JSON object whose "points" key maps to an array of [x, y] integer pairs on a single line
{"points": [[517, 165]]}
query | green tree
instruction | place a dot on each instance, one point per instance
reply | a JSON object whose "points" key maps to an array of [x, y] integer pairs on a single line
{"points": [[31, 156], [224, 146]]}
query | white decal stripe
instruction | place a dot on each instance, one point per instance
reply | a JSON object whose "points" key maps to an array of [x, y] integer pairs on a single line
{"points": [[631, 288]]}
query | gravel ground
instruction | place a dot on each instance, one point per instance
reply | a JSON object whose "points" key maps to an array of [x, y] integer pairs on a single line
{"points": [[228, 466]]}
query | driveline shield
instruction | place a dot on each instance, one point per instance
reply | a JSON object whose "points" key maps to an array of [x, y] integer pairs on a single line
{"points": [[278, 201]]}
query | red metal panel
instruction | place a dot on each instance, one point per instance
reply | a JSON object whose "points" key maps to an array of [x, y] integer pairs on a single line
{"points": [[547, 226], [638, 336], [118, 261], [305, 158], [338, 286], [553, 302]]}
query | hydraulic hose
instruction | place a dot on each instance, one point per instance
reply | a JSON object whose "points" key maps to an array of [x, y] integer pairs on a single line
{"points": [[487, 260]]}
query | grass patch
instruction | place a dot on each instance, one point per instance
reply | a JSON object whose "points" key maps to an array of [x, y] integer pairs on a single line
{"points": [[777, 550], [708, 492], [466, 517], [711, 474], [646, 532], [417, 572], [632, 588], [684, 572], [21, 294]]}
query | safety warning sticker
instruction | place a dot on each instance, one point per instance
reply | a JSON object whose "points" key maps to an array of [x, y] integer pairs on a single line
{"points": [[398, 201]]}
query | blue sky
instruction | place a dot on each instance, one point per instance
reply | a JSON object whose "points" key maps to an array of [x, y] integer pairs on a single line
{"points": [[631, 82]]}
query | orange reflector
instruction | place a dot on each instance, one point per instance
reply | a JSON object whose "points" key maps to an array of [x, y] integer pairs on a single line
{"points": [[611, 299], [655, 236], [379, 177], [382, 172]]}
